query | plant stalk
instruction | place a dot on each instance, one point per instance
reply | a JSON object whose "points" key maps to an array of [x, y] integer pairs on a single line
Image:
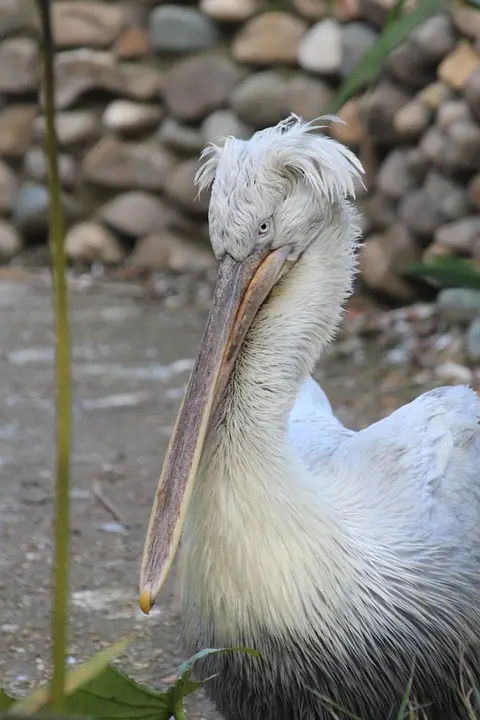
{"points": [[62, 361]]}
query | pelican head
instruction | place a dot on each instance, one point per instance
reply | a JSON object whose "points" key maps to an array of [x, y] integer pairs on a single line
{"points": [[271, 197]]}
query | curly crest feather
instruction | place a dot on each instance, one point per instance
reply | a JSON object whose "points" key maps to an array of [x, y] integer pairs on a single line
{"points": [[292, 148]]}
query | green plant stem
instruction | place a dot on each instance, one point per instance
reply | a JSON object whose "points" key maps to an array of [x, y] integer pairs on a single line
{"points": [[60, 302], [179, 712]]}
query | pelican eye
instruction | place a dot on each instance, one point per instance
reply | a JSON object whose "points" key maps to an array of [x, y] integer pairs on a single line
{"points": [[264, 228]]}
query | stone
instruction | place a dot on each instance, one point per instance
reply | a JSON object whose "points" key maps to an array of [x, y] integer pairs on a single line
{"points": [[435, 38], [379, 210], [472, 339], [471, 92], [459, 305], [450, 112], [419, 213], [10, 241], [16, 129], [320, 50], [449, 197], [474, 191], [90, 242], [433, 145], [407, 64], [182, 138], [456, 68], [19, 65], [308, 97], [262, 99], [117, 164], [17, 16], [221, 124], [229, 10], [357, 39], [466, 20], [351, 131], [272, 37], [435, 94], [130, 118], [182, 190], [312, 9], [8, 187], [376, 11], [196, 86], [81, 71], [35, 166], [378, 109], [347, 10], [384, 257], [94, 24], [161, 250], [135, 213], [31, 206], [394, 179], [412, 120], [463, 150], [459, 235], [132, 43], [417, 163], [74, 127], [172, 28]]}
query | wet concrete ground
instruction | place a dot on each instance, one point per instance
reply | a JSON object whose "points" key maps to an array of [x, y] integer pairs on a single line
{"points": [[132, 356]]}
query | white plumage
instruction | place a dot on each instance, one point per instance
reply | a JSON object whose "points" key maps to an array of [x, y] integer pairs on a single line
{"points": [[348, 559]]}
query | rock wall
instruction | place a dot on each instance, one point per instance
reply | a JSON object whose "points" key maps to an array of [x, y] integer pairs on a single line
{"points": [[143, 85]]}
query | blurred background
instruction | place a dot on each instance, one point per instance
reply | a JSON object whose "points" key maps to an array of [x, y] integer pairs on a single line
{"points": [[142, 87]]}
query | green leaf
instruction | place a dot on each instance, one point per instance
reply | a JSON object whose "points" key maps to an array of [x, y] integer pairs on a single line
{"points": [[81, 675], [5, 700], [396, 30], [448, 272]]}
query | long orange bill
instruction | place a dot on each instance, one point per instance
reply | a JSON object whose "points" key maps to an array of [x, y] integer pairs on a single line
{"points": [[241, 289]]}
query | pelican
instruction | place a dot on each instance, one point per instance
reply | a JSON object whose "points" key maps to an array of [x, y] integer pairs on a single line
{"points": [[349, 560]]}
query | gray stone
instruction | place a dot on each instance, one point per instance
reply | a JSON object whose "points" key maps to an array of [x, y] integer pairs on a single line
{"points": [[449, 197], [433, 146], [378, 109], [407, 64], [89, 242], [384, 257], [471, 92], [80, 22], [376, 11], [73, 127], [435, 38], [308, 97], [17, 16], [31, 206], [472, 340], [117, 164], [196, 86], [10, 241], [460, 235], [135, 213], [221, 124], [269, 38], [182, 138], [358, 38], [35, 166], [229, 10], [458, 304], [419, 213], [378, 210], [19, 65], [262, 99], [417, 164], [182, 190], [8, 188], [320, 50], [172, 28], [451, 112], [394, 178], [463, 150], [165, 249], [130, 118]]}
